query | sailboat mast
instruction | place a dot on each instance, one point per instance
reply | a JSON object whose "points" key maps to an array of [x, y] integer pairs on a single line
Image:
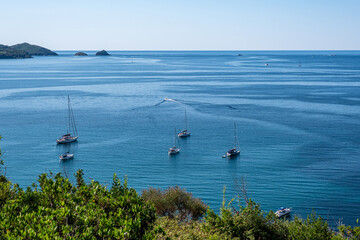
{"points": [[234, 134], [68, 114], [186, 127], [72, 120], [175, 137], [74, 124]]}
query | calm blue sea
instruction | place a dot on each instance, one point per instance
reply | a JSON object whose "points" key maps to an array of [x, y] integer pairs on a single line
{"points": [[297, 116]]}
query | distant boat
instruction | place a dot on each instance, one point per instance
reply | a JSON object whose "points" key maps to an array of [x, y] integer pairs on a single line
{"points": [[68, 138], [66, 156], [174, 150], [184, 133], [281, 212], [233, 151]]}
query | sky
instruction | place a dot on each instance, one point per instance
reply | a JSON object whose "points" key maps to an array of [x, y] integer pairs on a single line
{"points": [[182, 25]]}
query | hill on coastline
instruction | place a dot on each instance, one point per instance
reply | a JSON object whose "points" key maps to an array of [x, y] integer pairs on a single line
{"points": [[24, 50], [7, 52], [34, 50]]}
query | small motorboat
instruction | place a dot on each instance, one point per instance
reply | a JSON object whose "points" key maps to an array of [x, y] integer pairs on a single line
{"points": [[66, 156], [281, 212]]}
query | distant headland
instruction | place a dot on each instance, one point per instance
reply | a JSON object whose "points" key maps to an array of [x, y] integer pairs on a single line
{"points": [[24, 50], [34, 50]]}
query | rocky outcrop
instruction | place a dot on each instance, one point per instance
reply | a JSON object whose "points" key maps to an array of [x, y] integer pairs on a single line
{"points": [[102, 53], [80, 54]]}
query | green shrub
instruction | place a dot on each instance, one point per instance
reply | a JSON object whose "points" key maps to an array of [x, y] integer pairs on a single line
{"points": [[175, 201], [176, 229], [248, 222], [311, 228], [348, 232], [57, 209]]}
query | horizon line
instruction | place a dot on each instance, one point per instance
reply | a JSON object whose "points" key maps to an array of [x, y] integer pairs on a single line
{"points": [[209, 50]]}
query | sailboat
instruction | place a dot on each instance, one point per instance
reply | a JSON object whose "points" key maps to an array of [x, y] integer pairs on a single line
{"points": [[233, 151], [174, 149], [67, 155], [68, 138], [184, 133]]}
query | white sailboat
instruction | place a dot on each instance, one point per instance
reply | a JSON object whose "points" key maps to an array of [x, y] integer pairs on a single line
{"points": [[66, 156], [68, 138], [235, 150], [184, 133], [174, 150]]}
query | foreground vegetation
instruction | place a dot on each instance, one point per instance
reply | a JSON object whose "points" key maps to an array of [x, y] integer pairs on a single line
{"points": [[55, 208]]}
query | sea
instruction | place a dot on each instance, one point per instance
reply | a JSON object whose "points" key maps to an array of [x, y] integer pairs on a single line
{"points": [[297, 116]]}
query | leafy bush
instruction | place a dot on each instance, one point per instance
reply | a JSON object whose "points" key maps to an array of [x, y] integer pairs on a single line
{"points": [[311, 228], [57, 209], [248, 222], [175, 201], [348, 232], [176, 229]]}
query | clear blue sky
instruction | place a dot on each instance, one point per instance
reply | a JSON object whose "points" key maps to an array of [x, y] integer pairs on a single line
{"points": [[182, 25]]}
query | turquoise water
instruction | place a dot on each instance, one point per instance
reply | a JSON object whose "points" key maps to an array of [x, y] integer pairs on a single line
{"points": [[297, 116]]}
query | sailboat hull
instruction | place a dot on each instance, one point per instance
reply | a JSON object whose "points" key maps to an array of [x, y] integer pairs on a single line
{"points": [[66, 140], [233, 154], [173, 151], [183, 134], [66, 156]]}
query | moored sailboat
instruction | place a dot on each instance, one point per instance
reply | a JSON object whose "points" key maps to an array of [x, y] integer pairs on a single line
{"points": [[233, 152], [184, 133], [66, 156], [68, 138], [174, 149]]}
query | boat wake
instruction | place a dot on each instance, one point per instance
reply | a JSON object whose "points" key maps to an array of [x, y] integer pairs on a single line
{"points": [[167, 99], [171, 100]]}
